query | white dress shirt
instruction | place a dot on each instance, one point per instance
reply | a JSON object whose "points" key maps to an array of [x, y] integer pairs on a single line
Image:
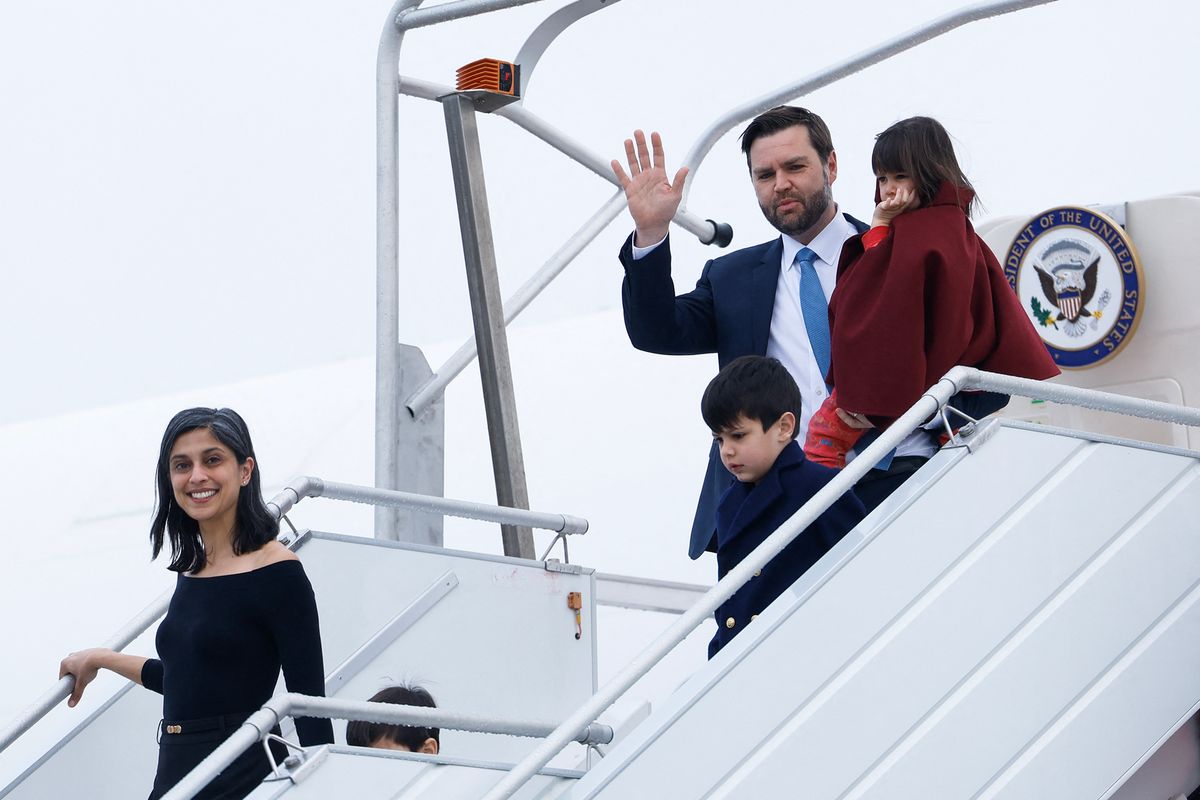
{"points": [[788, 336]]}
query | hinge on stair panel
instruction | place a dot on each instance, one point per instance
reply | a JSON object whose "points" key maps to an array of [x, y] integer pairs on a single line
{"points": [[973, 435], [293, 539], [298, 765]]}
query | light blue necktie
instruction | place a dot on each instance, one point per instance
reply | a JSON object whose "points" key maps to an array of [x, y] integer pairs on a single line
{"points": [[815, 308]]}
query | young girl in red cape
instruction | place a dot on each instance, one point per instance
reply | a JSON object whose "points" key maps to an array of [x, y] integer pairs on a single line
{"points": [[917, 294]]}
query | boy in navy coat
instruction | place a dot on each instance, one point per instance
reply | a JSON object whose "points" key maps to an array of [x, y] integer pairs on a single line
{"points": [[751, 407]]}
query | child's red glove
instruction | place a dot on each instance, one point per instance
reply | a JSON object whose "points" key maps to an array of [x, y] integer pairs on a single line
{"points": [[829, 438]]}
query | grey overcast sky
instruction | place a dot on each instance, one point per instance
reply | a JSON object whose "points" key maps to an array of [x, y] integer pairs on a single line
{"points": [[187, 193]]}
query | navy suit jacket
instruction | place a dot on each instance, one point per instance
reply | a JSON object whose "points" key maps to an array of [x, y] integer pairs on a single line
{"points": [[728, 313], [749, 513]]}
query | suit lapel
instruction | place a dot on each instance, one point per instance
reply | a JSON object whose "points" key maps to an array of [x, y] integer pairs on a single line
{"points": [[764, 280]]}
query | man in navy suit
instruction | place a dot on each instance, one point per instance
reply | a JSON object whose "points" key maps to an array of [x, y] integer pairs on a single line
{"points": [[752, 301]]}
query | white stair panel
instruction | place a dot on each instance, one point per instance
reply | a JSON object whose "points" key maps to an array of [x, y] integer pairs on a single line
{"points": [[963, 632]]}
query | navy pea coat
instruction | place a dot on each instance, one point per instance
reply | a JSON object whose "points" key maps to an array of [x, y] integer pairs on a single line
{"points": [[749, 513]]}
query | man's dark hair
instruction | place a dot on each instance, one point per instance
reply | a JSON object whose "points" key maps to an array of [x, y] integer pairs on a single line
{"points": [[254, 527], [781, 118], [921, 148], [754, 387], [365, 734]]}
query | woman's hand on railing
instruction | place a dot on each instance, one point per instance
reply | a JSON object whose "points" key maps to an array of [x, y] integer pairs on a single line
{"points": [[84, 665]]}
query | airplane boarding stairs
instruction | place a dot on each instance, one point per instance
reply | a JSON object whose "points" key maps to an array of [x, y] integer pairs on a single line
{"points": [[1020, 620]]}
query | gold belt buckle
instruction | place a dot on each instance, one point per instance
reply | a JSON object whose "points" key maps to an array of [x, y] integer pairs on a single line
{"points": [[174, 729]]}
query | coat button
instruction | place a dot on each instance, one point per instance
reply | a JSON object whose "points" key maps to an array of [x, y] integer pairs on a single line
{"points": [[758, 573], [753, 617], [731, 622]]}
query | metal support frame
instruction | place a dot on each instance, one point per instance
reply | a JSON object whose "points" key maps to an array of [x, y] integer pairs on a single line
{"points": [[431, 391], [930, 403], [844, 69], [533, 48], [307, 486], [422, 439], [545, 34], [487, 314], [387, 262], [261, 722], [405, 15]]}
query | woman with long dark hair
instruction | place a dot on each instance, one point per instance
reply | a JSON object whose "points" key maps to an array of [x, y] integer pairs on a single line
{"points": [[242, 609]]}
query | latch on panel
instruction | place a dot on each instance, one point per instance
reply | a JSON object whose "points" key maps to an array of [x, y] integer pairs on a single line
{"points": [[575, 603]]}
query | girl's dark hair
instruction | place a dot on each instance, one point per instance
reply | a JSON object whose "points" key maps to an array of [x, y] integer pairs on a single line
{"points": [[921, 148], [365, 734], [254, 525]]}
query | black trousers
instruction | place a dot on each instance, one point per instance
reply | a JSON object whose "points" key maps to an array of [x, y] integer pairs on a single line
{"points": [[874, 487], [179, 753]]}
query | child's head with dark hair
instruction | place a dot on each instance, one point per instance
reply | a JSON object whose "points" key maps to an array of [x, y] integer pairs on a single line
{"points": [[751, 407], [412, 739], [920, 148]]}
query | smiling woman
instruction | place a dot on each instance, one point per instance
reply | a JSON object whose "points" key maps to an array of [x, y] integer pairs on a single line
{"points": [[223, 641]]}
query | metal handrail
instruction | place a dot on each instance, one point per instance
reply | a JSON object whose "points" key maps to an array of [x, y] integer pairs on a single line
{"points": [[844, 69], [931, 402], [62, 688], [445, 12], [1083, 398], [307, 486], [260, 723], [544, 35]]}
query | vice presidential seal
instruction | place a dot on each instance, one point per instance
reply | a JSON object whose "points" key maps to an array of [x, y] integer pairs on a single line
{"points": [[1080, 281]]}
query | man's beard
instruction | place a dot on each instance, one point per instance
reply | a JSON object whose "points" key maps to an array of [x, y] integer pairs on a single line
{"points": [[812, 207]]}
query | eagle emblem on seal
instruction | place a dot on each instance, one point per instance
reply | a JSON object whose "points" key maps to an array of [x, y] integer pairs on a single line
{"points": [[1068, 278]]}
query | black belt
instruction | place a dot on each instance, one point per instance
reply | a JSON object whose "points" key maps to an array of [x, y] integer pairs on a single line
{"points": [[225, 722]]}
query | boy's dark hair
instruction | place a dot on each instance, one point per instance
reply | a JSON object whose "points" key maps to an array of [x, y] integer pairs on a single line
{"points": [[754, 387], [255, 525], [781, 118], [921, 148], [365, 734]]}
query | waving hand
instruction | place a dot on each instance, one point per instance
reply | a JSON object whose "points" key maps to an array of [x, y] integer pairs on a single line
{"points": [[653, 200]]}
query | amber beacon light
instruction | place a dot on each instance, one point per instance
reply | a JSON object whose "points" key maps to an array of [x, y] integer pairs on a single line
{"points": [[490, 75]]}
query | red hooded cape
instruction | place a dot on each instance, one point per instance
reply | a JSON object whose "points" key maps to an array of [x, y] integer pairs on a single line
{"points": [[929, 297]]}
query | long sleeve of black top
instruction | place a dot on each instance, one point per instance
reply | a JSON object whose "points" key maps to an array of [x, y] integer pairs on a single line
{"points": [[225, 638]]}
